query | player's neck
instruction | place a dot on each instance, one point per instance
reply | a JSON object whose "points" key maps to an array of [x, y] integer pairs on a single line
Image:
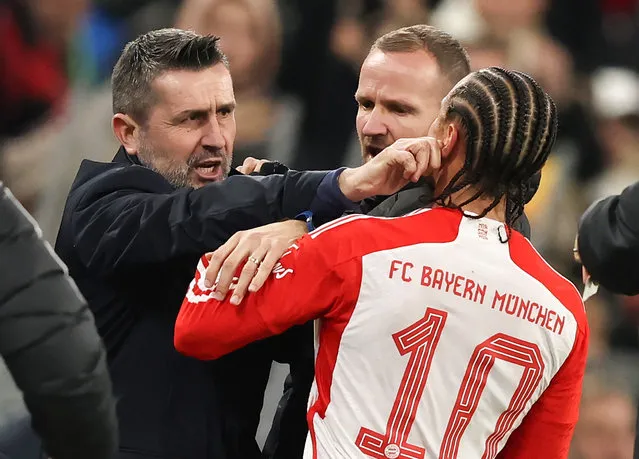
{"points": [[478, 205]]}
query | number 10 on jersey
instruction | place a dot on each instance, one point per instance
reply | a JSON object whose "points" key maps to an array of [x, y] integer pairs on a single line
{"points": [[420, 341]]}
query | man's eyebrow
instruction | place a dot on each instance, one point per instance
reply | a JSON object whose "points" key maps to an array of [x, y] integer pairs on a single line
{"points": [[393, 104], [190, 111], [230, 106], [205, 110], [399, 104]]}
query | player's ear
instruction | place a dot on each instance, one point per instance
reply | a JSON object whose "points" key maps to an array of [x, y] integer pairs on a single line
{"points": [[450, 138]]}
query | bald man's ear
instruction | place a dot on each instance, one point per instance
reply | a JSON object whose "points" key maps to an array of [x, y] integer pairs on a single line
{"points": [[127, 131]]}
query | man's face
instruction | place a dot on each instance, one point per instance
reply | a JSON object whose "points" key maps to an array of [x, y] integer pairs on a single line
{"points": [[190, 130], [399, 96]]}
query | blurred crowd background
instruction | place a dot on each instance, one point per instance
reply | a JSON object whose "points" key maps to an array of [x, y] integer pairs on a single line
{"points": [[295, 66]]}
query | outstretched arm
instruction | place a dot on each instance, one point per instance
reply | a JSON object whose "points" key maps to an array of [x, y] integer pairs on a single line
{"points": [[304, 285]]}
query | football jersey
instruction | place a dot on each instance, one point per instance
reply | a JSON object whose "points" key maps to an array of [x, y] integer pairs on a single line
{"points": [[437, 336]]}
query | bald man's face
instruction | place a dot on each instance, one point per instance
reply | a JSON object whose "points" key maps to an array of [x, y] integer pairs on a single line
{"points": [[399, 95]]}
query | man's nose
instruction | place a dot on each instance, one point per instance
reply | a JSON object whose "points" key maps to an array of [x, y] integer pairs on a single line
{"points": [[213, 138], [375, 124]]}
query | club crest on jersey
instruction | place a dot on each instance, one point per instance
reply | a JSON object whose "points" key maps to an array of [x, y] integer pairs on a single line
{"points": [[482, 231]]}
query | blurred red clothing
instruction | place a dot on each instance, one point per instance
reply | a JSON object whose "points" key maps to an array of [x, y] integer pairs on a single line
{"points": [[33, 79], [619, 6]]}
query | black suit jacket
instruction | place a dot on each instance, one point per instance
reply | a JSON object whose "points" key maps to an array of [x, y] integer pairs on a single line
{"points": [[132, 242], [609, 241]]}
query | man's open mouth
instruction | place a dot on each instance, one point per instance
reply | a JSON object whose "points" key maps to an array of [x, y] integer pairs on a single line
{"points": [[208, 165], [209, 169]]}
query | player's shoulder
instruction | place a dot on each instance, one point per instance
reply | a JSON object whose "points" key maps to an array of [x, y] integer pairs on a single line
{"points": [[355, 224], [524, 255], [363, 234]]}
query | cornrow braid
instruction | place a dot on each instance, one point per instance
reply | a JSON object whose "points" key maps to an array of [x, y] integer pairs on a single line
{"points": [[510, 126]]}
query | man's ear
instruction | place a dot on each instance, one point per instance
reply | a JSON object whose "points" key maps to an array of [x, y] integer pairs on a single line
{"points": [[127, 131], [450, 140]]}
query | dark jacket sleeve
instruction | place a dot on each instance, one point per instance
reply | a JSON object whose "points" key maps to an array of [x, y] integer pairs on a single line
{"points": [[131, 219], [50, 344], [608, 241]]}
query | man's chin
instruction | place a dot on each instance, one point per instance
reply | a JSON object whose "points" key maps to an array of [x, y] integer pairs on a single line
{"points": [[199, 179]]}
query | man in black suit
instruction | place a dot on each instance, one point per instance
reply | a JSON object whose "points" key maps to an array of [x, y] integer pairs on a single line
{"points": [[607, 246], [133, 230], [608, 242]]}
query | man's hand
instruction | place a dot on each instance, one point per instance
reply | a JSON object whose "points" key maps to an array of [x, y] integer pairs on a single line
{"points": [[388, 172], [259, 248], [251, 165]]}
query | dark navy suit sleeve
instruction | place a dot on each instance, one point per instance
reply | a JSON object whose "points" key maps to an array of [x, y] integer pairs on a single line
{"points": [[609, 241], [130, 216], [330, 200]]}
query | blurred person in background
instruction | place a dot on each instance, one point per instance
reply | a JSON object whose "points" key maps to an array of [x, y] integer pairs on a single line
{"points": [[33, 79], [250, 36], [51, 348], [615, 102], [35, 36], [620, 33], [134, 228], [606, 426], [358, 24]]}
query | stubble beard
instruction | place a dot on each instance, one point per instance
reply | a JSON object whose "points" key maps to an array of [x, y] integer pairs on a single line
{"points": [[177, 173]]}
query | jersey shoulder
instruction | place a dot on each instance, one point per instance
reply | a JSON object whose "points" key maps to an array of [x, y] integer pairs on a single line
{"points": [[359, 235], [526, 257]]}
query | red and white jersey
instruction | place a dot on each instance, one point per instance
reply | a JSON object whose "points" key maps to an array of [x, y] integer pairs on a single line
{"points": [[434, 339]]}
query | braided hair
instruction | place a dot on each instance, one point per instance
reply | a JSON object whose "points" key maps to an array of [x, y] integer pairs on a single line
{"points": [[510, 126]]}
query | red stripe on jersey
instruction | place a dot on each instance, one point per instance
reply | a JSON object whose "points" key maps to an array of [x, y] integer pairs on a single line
{"points": [[439, 225], [524, 255]]}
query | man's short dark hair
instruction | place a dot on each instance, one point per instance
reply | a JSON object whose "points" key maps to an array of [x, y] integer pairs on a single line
{"points": [[451, 56], [150, 55]]}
